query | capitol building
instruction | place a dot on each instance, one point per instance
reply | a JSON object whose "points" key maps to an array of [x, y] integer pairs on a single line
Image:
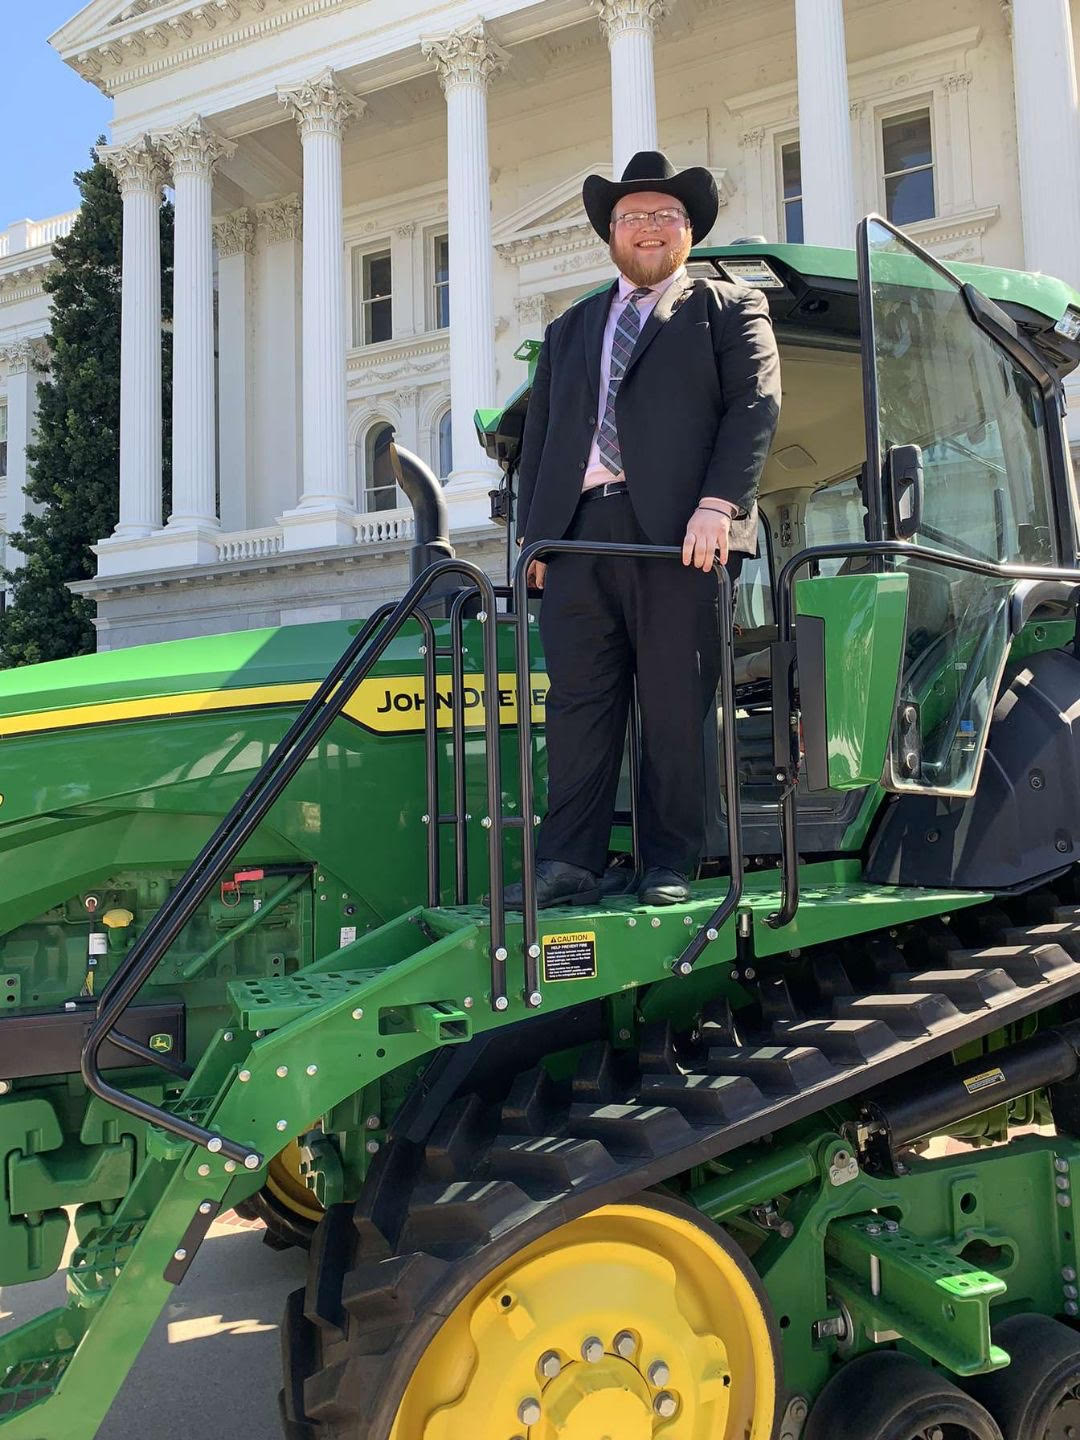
{"points": [[378, 201]]}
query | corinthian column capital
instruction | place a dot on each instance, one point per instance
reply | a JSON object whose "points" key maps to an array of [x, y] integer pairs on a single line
{"points": [[618, 17], [467, 56], [137, 167], [322, 105], [21, 355], [193, 149], [234, 234]]}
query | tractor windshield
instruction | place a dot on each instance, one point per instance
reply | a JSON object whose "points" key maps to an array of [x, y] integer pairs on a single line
{"points": [[977, 417]]}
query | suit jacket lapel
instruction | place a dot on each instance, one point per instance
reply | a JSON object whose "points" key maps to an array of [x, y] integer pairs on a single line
{"points": [[662, 312], [595, 319]]}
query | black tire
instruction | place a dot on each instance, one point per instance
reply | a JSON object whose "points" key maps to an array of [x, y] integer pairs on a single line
{"points": [[888, 1396], [1032, 1397], [284, 1228]]}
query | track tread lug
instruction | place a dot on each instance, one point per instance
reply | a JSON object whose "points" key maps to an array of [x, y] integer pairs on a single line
{"points": [[967, 989], [451, 1220], [715, 1099], [910, 1016], [603, 1074], [843, 1042], [637, 1131], [656, 1050], [385, 1296], [553, 1164], [463, 1129], [330, 1245], [1024, 964], [528, 1108], [776, 1069]]}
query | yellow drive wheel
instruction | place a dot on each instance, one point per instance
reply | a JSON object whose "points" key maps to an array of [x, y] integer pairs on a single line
{"points": [[635, 1321], [286, 1184]]}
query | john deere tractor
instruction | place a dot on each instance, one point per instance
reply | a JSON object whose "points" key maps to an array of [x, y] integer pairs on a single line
{"points": [[795, 1159]]}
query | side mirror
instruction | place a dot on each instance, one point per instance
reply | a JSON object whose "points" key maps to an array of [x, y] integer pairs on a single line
{"points": [[904, 478]]}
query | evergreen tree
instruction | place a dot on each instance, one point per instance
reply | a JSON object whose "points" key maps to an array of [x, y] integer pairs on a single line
{"points": [[73, 466]]}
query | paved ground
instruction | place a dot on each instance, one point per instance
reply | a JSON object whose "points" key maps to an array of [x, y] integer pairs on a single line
{"points": [[211, 1368]]}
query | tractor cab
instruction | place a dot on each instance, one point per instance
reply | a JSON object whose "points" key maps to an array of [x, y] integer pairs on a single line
{"points": [[924, 405]]}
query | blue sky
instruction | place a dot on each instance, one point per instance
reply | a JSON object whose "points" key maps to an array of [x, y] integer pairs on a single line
{"points": [[49, 116]]}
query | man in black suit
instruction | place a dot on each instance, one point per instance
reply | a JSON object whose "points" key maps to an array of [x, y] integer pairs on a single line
{"points": [[652, 410]]}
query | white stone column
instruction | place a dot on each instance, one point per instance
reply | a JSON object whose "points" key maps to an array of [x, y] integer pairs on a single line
{"points": [[466, 60], [139, 173], [327, 503], [1048, 134], [277, 422], [828, 184], [193, 151], [403, 306], [23, 358], [629, 26], [234, 241]]}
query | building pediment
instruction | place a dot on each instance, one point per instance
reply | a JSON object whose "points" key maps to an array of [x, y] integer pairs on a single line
{"points": [[552, 234]]}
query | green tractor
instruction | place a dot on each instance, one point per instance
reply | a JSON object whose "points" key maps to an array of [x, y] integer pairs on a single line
{"points": [[792, 1160]]}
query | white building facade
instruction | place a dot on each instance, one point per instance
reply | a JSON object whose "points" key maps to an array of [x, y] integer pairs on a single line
{"points": [[377, 201]]}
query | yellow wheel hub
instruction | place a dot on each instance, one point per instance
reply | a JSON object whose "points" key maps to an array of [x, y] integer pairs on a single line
{"points": [[631, 1323], [285, 1183]]}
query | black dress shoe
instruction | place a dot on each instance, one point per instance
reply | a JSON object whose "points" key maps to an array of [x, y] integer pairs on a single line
{"points": [[664, 887], [557, 884]]}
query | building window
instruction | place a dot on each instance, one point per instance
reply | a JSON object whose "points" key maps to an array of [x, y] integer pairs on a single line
{"points": [[791, 181], [371, 303], [377, 481], [440, 288], [446, 445], [907, 153]]}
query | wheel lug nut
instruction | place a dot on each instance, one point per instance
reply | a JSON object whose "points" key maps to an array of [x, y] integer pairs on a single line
{"points": [[592, 1350], [665, 1404], [625, 1344], [550, 1364], [658, 1372], [528, 1411]]}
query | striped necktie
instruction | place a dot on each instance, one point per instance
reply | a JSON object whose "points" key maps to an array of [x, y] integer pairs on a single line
{"points": [[627, 330]]}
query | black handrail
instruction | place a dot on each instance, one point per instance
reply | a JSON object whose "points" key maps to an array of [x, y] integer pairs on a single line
{"points": [[684, 964], [265, 789], [785, 762]]}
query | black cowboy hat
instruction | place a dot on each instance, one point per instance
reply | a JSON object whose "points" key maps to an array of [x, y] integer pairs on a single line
{"points": [[652, 170]]}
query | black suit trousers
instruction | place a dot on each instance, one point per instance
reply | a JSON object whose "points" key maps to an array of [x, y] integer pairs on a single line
{"points": [[603, 621]]}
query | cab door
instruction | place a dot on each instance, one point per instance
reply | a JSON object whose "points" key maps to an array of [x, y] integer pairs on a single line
{"points": [[957, 460]]}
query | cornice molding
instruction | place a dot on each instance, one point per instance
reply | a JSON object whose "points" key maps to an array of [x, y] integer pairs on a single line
{"points": [[24, 283], [467, 56], [397, 363]]}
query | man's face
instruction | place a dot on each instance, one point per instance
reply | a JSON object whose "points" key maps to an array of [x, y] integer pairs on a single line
{"points": [[648, 253]]}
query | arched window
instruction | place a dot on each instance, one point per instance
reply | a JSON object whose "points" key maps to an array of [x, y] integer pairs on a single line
{"points": [[378, 489], [446, 445]]}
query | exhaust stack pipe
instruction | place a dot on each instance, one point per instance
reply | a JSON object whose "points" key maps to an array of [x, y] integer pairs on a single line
{"points": [[395, 465]]}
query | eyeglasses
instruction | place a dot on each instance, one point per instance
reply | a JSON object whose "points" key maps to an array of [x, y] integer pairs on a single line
{"points": [[634, 219]]}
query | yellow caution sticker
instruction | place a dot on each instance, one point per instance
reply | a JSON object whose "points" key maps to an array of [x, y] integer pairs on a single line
{"points": [[396, 704], [571, 956], [983, 1081]]}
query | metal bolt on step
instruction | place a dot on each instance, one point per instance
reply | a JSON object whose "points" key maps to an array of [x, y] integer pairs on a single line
{"points": [[468, 1002], [501, 1002], [711, 934], [631, 922], [535, 999], [1068, 1273], [659, 1373], [688, 920], [282, 1124], [1071, 1307], [5, 1087], [358, 1013], [625, 1344], [372, 1147], [228, 1035], [204, 1170], [372, 1122], [1063, 1200], [230, 1167], [500, 953], [214, 1144], [1070, 1292], [683, 967], [592, 1350], [1060, 1165], [313, 1069], [281, 1071], [550, 1364], [425, 819], [529, 1412], [180, 1254], [534, 952], [244, 1076], [655, 922], [485, 822], [251, 1162], [665, 1404], [205, 1208]]}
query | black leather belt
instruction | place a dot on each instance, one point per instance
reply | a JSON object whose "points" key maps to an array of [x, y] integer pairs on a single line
{"points": [[601, 492]]}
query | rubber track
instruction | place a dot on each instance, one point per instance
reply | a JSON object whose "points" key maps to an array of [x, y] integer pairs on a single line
{"points": [[498, 1172]]}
